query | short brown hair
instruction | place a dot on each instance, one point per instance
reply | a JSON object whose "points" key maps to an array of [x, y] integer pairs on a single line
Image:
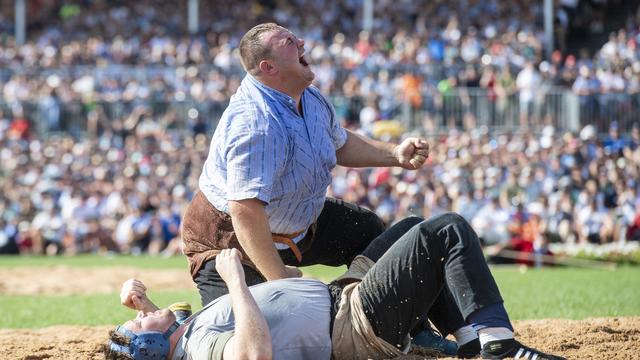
{"points": [[252, 49], [119, 339]]}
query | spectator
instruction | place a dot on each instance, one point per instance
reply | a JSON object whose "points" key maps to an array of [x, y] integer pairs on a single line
{"points": [[528, 83]]}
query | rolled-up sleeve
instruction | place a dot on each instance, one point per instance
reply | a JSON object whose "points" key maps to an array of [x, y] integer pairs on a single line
{"points": [[338, 133], [253, 161]]}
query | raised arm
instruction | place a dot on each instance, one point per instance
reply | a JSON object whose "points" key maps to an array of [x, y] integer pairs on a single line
{"points": [[252, 229], [251, 339], [360, 151], [133, 294]]}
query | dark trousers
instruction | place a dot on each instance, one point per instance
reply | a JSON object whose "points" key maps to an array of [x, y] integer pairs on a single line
{"points": [[342, 231], [444, 313], [436, 268]]}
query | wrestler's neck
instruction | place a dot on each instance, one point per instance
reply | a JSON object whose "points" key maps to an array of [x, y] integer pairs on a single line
{"points": [[175, 337], [290, 88]]}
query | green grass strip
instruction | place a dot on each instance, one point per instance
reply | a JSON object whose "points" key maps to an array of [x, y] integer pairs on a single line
{"points": [[96, 309], [533, 294], [570, 293]]}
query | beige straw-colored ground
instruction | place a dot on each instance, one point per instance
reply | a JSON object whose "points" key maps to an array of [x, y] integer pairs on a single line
{"points": [[599, 338], [65, 280]]}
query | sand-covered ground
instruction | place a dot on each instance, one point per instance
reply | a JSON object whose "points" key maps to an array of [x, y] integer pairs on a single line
{"points": [[597, 338], [65, 280], [600, 338]]}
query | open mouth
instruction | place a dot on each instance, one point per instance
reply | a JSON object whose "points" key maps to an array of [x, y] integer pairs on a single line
{"points": [[303, 61]]}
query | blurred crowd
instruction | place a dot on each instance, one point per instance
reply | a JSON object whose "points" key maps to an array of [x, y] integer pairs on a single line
{"points": [[612, 78], [519, 191], [127, 99], [84, 52], [125, 190]]}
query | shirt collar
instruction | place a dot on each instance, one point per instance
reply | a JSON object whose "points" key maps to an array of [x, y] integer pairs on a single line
{"points": [[271, 92]]}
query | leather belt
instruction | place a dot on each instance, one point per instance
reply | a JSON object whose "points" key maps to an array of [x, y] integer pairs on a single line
{"points": [[287, 240]]}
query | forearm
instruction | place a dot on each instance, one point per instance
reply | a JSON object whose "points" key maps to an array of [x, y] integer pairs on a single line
{"points": [[254, 234], [149, 306], [252, 337], [359, 151], [145, 304]]}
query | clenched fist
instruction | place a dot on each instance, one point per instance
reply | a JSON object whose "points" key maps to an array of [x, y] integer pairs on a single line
{"points": [[229, 266], [412, 153], [133, 295]]}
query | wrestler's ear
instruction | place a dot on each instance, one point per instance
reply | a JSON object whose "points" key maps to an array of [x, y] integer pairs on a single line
{"points": [[266, 67]]}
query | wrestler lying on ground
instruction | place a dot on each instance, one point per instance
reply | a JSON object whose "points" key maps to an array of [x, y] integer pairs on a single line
{"points": [[366, 313]]}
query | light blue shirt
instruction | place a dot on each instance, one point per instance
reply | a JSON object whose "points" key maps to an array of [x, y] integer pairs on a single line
{"points": [[263, 149], [297, 311]]}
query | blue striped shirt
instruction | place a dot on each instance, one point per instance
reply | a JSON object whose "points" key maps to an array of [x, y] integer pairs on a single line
{"points": [[263, 149]]}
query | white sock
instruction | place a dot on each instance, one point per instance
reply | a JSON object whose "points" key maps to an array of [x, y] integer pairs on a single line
{"points": [[494, 333], [465, 335]]}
